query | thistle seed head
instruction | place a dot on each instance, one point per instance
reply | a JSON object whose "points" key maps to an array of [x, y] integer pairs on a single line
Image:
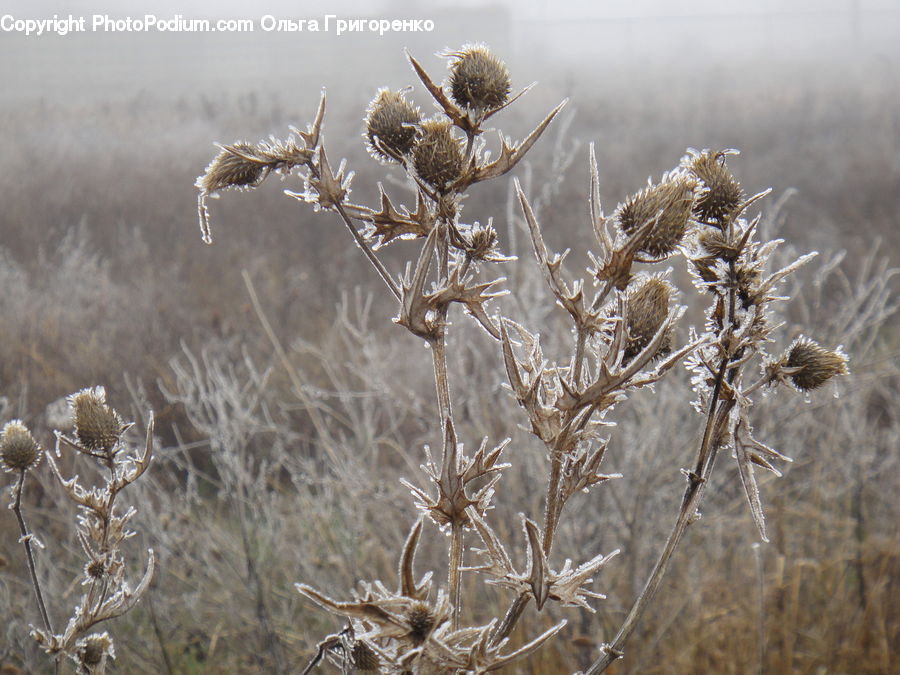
{"points": [[94, 649], [817, 365], [364, 658], [18, 449], [669, 203], [390, 129], [648, 308], [720, 194], [421, 621], [95, 569], [438, 155], [478, 80], [718, 245], [97, 426], [233, 167]]}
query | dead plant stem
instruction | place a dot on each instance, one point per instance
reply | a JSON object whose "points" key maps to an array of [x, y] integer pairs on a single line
{"points": [[29, 554]]}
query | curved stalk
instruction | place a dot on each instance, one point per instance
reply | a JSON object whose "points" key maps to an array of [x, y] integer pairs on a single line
{"points": [[29, 554]]}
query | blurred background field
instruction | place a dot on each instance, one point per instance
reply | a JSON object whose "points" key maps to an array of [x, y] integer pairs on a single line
{"points": [[105, 281]]}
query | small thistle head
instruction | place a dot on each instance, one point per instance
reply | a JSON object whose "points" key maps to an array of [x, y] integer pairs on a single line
{"points": [[236, 166], [95, 569], [668, 204], [93, 651], [18, 449], [364, 658], [478, 80], [816, 364], [717, 244], [97, 426], [648, 309], [720, 194], [438, 155], [421, 621], [390, 125]]}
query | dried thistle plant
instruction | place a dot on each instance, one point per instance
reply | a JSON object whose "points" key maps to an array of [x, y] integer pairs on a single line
{"points": [[624, 338], [101, 529]]}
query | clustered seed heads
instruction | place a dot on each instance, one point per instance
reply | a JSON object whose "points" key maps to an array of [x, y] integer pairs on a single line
{"points": [[624, 335], [102, 529]]}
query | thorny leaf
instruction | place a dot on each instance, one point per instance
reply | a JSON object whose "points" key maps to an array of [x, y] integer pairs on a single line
{"points": [[314, 131], [613, 268], [437, 93], [331, 190], [415, 310], [613, 378], [483, 656], [389, 224], [536, 394], [581, 470], [509, 155], [408, 586], [453, 478], [385, 615], [473, 297], [571, 300], [537, 564], [748, 451], [565, 586]]}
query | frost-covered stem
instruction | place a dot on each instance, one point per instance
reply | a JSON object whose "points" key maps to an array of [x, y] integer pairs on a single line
{"points": [[760, 607], [578, 361], [551, 512], [505, 627], [369, 253], [363, 245], [441, 379], [554, 505], [29, 554], [456, 561], [692, 497], [104, 546]]}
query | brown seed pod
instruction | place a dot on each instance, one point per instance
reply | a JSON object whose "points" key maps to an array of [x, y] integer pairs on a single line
{"points": [[18, 449], [720, 194], [93, 649], [478, 79], [236, 166], [97, 426], [95, 569], [438, 155], [718, 245], [648, 308], [671, 202], [817, 364], [390, 130], [421, 621]]}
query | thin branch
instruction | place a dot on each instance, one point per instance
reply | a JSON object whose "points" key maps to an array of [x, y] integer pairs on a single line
{"points": [[29, 554]]}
